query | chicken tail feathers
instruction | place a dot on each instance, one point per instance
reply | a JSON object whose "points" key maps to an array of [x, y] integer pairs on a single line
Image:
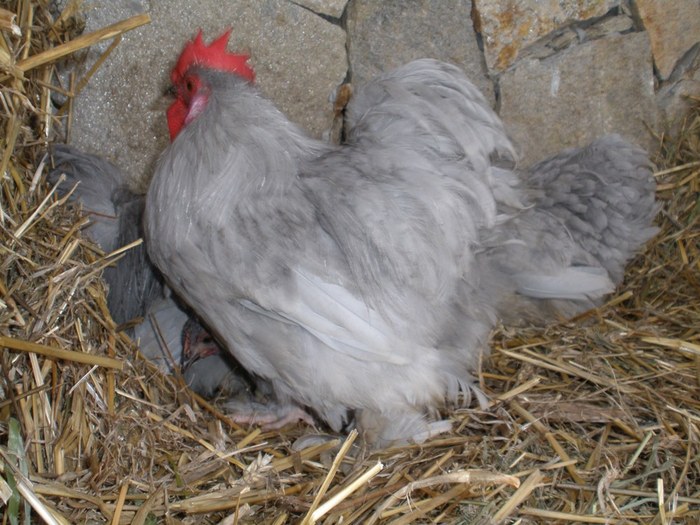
{"points": [[604, 195], [576, 283]]}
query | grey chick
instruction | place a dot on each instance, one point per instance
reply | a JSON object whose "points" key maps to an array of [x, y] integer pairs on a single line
{"points": [[207, 368]]}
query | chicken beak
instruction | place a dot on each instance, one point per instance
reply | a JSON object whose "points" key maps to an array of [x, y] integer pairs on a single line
{"points": [[161, 103]]}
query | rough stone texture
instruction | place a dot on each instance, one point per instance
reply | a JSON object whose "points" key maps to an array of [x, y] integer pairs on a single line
{"points": [[331, 8], [385, 35], [599, 87], [675, 95], [507, 26], [568, 36], [674, 27], [299, 59]]}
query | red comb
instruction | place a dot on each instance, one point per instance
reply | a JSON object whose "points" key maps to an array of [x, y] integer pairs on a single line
{"points": [[213, 56]]}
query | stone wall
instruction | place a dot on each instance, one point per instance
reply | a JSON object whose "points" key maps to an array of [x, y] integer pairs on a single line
{"points": [[559, 72]]}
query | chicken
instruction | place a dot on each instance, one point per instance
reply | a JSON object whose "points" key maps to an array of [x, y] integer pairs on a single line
{"points": [[207, 368], [135, 287], [362, 280], [115, 215]]}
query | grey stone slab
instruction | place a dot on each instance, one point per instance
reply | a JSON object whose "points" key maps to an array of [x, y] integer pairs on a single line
{"points": [[673, 26], [680, 93], [507, 26], [385, 35], [332, 8], [571, 35], [602, 86]]}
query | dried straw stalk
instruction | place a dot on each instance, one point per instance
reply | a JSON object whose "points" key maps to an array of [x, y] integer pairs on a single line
{"points": [[596, 419]]}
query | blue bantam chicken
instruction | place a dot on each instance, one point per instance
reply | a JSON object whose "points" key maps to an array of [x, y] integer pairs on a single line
{"points": [[361, 281]]}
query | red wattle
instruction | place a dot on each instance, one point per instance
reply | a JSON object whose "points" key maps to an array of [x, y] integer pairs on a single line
{"points": [[177, 113]]}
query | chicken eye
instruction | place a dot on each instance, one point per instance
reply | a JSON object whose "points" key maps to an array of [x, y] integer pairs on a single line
{"points": [[189, 85]]}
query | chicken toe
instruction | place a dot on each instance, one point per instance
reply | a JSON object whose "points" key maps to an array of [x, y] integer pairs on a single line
{"points": [[270, 416], [397, 427]]}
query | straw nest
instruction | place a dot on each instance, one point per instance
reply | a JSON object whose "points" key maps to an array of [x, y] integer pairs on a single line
{"points": [[595, 420]]}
